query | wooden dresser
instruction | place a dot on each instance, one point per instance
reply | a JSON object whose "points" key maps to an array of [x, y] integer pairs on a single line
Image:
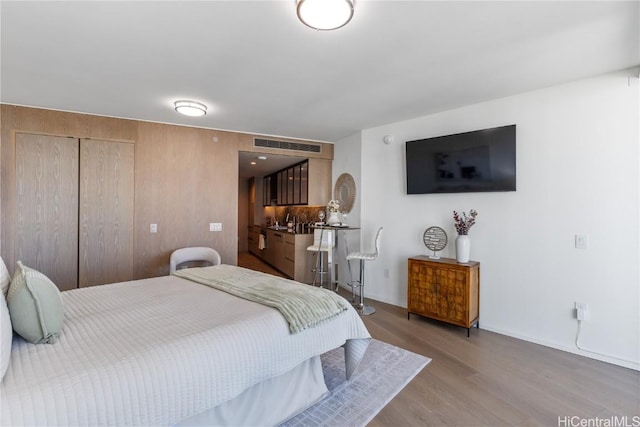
{"points": [[445, 290]]}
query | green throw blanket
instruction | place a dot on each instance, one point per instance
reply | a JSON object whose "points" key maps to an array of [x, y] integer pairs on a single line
{"points": [[303, 306]]}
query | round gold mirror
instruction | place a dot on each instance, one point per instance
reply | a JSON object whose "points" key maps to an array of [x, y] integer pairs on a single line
{"points": [[345, 192]]}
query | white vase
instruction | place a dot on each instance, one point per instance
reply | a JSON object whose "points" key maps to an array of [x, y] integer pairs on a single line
{"points": [[333, 218], [463, 247]]}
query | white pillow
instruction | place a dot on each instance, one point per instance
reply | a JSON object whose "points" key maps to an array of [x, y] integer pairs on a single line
{"points": [[35, 306], [5, 278], [6, 336]]}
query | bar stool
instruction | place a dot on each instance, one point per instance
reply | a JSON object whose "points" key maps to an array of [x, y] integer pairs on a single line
{"points": [[362, 257], [323, 241]]}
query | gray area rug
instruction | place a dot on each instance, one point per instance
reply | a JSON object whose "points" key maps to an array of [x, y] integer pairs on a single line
{"points": [[384, 371]]}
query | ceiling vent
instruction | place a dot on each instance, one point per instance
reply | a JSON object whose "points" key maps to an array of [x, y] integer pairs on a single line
{"points": [[284, 145]]}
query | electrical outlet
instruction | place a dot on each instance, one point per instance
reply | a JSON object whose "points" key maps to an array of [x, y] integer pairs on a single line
{"points": [[581, 310], [582, 241], [153, 228], [215, 226]]}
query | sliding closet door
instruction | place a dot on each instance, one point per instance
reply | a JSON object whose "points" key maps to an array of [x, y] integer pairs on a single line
{"points": [[46, 234], [106, 212]]}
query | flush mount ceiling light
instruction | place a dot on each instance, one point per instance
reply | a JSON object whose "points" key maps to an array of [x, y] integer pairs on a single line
{"points": [[325, 14], [190, 108]]}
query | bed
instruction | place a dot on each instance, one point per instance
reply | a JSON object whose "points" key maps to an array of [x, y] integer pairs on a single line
{"points": [[171, 351]]}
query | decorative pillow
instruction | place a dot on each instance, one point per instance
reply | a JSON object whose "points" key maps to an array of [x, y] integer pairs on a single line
{"points": [[6, 336], [5, 279], [35, 306]]}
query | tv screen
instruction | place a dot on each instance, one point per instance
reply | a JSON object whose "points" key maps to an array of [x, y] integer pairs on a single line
{"points": [[478, 161]]}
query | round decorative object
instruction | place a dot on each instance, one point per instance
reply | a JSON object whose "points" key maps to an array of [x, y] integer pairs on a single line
{"points": [[345, 192], [435, 239]]}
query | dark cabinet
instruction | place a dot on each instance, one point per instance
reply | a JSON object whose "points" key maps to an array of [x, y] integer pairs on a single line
{"points": [[269, 190], [290, 186], [266, 191], [282, 187], [304, 183], [296, 185]]}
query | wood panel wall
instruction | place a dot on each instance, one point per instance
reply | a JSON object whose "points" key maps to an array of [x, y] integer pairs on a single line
{"points": [[184, 180], [46, 206], [106, 212]]}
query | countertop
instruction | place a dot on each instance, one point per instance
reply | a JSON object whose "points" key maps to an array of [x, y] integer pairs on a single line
{"points": [[283, 229]]}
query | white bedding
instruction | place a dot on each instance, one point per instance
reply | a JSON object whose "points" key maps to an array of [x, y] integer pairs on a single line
{"points": [[155, 352]]}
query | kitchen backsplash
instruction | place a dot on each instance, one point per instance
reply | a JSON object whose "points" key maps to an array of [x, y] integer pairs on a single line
{"points": [[301, 213]]}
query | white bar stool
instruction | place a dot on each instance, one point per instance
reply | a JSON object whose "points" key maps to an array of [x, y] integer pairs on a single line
{"points": [[362, 257], [323, 241]]}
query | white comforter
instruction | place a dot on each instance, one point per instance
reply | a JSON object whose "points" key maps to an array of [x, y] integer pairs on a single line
{"points": [[154, 352]]}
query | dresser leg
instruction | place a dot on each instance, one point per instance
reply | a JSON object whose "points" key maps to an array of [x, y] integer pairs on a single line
{"points": [[468, 329], [408, 314]]}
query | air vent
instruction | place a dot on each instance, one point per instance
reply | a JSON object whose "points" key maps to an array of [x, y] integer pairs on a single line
{"points": [[284, 145]]}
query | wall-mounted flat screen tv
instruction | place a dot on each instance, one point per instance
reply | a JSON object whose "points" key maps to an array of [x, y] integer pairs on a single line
{"points": [[478, 161]]}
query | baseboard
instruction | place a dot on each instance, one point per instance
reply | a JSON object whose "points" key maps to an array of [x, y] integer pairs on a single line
{"points": [[510, 333], [515, 334]]}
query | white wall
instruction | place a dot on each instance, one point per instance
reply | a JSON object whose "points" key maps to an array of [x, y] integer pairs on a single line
{"points": [[577, 172], [347, 153]]}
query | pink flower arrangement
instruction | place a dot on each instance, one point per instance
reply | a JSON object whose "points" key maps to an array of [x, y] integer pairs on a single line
{"points": [[464, 223]]}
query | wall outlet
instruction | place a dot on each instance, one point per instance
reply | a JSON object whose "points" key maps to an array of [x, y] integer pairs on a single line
{"points": [[582, 241], [215, 226], [581, 310], [153, 228]]}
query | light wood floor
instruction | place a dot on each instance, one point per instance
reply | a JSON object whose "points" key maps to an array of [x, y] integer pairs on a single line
{"points": [[491, 379]]}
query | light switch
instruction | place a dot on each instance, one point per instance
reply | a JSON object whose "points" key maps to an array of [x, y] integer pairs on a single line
{"points": [[215, 226], [153, 228]]}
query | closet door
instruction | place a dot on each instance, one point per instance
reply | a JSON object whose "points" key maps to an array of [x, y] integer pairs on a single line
{"points": [[106, 212], [46, 234]]}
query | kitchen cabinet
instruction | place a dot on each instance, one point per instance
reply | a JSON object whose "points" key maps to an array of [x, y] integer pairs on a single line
{"points": [[275, 248], [266, 190], [253, 240], [285, 251], [292, 199], [305, 183], [282, 187], [289, 186], [297, 260], [318, 176], [297, 184]]}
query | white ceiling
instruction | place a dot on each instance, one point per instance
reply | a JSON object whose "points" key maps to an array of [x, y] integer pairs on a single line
{"points": [[262, 167], [261, 71]]}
